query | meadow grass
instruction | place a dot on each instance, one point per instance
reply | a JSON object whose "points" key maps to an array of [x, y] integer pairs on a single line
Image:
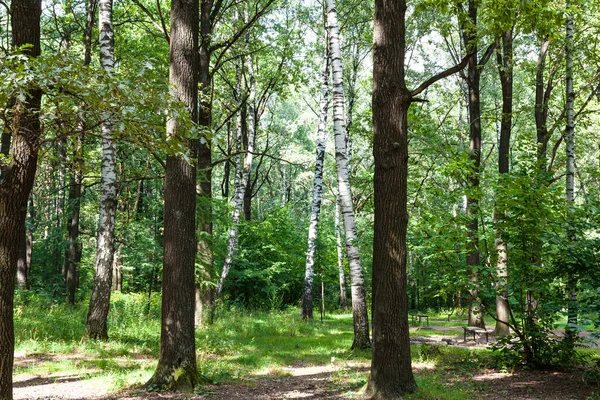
{"points": [[239, 345]]}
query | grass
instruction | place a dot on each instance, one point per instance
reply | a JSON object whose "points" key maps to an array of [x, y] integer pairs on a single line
{"points": [[238, 346]]}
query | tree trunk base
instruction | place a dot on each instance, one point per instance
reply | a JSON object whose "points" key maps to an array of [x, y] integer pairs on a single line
{"points": [[174, 379]]}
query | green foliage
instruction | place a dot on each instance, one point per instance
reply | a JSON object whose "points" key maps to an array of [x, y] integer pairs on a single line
{"points": [[269, 270]]}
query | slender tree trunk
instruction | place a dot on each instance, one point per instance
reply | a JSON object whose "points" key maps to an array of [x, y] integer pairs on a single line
{"points": [[176, 368], [313, 227], [242, 173], [340, 257], [16, 184], [473, 258], [359, 304], [205, 218], [73, 252], [571, 329], [505, 63], [117, 270], [96, 324], [541, 104], [22, 267]]}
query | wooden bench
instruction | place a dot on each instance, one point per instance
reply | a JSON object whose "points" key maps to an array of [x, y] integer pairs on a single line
{"points": [[420, 317], [474, 330]]}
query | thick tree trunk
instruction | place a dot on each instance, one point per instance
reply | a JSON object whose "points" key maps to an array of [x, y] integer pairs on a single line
{"points": [[571, 329], [340, 257], [242, 171], [505, 63], [176, 368], [22, 266], [96, 324], [16, 184], [313, 227], [359, 304], [391, 370]]}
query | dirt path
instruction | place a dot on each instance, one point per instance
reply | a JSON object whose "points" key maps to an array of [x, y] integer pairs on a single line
{"points": [[310, 381]]}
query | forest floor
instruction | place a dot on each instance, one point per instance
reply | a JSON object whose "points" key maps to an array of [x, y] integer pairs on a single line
{"points": [[335, 380]]}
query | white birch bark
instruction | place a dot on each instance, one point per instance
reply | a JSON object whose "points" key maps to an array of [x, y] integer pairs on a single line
{"points": [[359, 305], [571, 329], [313, 228], [242, 175], [99, 302], [340, 257]]}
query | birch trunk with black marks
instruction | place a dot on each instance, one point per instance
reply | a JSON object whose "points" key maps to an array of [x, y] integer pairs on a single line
{"points": [[96, 323], [16, 184], [242, 169], [313, 227], [176, 369], [359, 303], [572, 311], [505, 63]]}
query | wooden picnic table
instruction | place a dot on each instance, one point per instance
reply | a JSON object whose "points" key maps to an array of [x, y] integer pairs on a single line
{"points": [[420, 317], [474, 330]]}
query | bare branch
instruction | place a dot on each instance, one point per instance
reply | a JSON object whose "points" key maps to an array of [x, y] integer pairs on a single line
{"points": [[442, 75]]}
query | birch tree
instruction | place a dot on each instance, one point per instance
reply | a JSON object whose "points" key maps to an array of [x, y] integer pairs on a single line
{"points": [[359, 304], [242, 169], [96, 324], [313, 227], [571, 328]]}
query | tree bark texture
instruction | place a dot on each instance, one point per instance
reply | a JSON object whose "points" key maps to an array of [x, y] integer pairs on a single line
{"points": [[16, 184], [473, 258], [359, 304], [313, 227], [391, 370], [96, 324], [176, 368]]}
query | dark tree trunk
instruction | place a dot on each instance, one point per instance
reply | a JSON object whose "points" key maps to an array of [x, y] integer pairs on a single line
{"points": [[473, 258], [205, 219], [505, 55], [16, 184], [176, 368], [391, 371], [73, 252]]}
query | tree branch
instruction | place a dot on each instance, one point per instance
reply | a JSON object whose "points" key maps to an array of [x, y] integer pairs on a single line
{"points": [[442, 75]]}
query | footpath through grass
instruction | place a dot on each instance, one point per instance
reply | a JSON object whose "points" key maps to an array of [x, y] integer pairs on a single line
{"points": [[239, 346]]}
